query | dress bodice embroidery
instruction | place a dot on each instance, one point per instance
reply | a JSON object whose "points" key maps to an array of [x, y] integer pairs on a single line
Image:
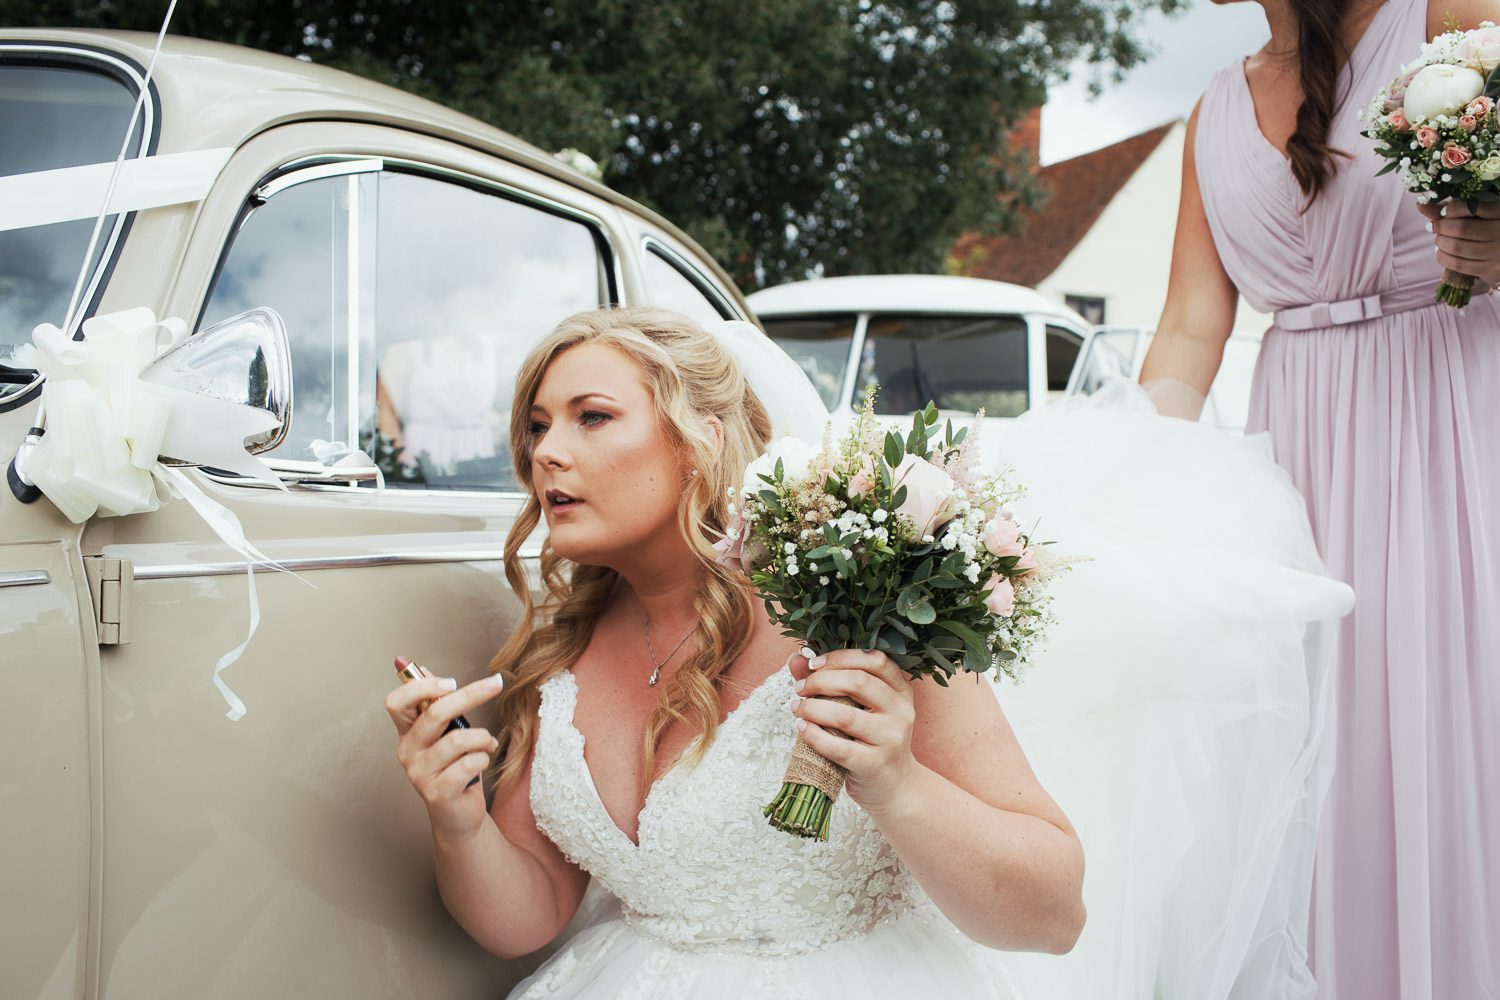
{"points": [[708, 872]]}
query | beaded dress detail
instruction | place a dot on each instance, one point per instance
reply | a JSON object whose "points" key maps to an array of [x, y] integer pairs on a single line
{"points": [[713, 902]]}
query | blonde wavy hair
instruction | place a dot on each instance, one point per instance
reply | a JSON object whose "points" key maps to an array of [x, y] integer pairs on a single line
{"points": [[691, 378]]}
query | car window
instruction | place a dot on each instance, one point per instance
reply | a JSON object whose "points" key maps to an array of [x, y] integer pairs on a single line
{"points": [[410, 302], [958, 362], [1110, 354], [672, 288], [1062, 354], [53, 117], [820, 346]]}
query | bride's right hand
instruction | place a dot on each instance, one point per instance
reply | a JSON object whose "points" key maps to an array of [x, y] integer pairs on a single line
{"points": [[442, 766]]}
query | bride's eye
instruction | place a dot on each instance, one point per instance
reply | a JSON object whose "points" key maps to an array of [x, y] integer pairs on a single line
{"points": [[536, 428], [592, 418]]}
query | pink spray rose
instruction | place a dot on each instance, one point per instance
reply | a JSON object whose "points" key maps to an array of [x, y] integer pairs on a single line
{"points": [[1027, 562], [733, 552], [1427, 136], [1480, 106], [1397, 120], [1000, 596], [1003, 538], [1455, 155], [1468, 122], [1481, 47], [1397, 91]]}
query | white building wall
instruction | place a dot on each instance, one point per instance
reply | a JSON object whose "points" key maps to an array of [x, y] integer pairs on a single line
{"points": [[1127, 255]]}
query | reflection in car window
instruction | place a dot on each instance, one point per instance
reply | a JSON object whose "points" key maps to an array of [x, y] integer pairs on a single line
{"points": [[1110, 355], [53, 117], [820, 346], [957, 362], [451, 287], [671, 289], [1062, 354]]}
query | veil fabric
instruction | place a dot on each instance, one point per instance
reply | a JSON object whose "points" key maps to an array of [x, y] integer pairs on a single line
{"points": [[1179, 707]]}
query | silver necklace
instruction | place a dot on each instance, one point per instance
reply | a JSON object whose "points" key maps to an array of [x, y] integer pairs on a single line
{"points": [[658, 664]]}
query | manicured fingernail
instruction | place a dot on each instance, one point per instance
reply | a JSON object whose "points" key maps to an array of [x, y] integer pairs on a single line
{"points": [[498, 681], [801, 725], [816, 662], [1443, 211], [494, 745], [447, 683], [807, 653], [798, 686], [1429, 227], [794, 703]]}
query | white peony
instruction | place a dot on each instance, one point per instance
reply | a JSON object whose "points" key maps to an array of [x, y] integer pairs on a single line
{"points": [[1441, 90], [796, 458]]}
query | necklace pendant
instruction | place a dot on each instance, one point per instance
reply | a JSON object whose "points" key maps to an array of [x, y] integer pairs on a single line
{"points": [[654, 674]]}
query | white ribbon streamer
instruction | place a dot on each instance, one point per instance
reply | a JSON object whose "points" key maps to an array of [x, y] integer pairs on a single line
{"points": [[107, 427], [66, 194]]}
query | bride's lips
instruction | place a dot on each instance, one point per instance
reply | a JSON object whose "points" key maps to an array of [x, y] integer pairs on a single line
{"points": [[558, 501]]}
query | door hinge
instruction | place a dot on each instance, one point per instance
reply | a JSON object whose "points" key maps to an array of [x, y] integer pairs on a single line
{"points": [[110, 583]]}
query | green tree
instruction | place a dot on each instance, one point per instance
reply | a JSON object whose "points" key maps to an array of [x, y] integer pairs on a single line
{"points": [[841, 136]]}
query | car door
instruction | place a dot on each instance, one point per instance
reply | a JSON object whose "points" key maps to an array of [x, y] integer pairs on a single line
{"points": [[284, 854]]}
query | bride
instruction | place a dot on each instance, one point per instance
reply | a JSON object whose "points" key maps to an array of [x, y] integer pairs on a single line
{"points": [[647, 710]]}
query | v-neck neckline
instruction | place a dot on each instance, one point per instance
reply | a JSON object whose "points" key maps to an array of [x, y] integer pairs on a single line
{"points": [[582, 761]]}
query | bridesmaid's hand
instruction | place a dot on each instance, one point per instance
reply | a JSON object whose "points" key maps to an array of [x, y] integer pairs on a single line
{"points": [[877, 753], [1467, 243], [442, 766]]}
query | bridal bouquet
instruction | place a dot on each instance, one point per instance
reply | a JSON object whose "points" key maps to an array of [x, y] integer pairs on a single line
{"points": [[896, 544], [1436, 123]]}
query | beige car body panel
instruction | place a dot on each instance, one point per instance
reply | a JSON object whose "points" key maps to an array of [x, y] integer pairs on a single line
{"points": [[153, 847]]}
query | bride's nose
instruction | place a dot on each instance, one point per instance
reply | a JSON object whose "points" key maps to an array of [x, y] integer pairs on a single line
{"points": [[549, 451]]}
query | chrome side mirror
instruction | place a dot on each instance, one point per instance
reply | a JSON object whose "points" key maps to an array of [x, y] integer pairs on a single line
{"points": [[245, 359]]}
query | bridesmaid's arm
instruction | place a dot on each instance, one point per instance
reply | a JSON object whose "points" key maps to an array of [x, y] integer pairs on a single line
{"points": [[941, 773], [1199, 312]]}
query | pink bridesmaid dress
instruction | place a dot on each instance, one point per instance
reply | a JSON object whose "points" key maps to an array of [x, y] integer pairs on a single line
{"points": [[1385, 409]]}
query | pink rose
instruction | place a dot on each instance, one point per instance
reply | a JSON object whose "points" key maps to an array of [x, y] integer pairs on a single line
{"points": [[1000, 596], [928, 490], [1480, 47], [1481, 106], [1455, 155], [1004, 538], [733, 552], [1468, 122], [863, 480], [1027, 562], [1396, 92], [1397, 120], [1427, 136]]}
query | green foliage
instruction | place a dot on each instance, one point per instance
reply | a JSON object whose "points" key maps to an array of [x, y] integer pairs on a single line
{"points": [[840, 136]]}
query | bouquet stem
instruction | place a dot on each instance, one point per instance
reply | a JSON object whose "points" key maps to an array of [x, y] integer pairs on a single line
{"points": [[811, 785], [1455, 288]]}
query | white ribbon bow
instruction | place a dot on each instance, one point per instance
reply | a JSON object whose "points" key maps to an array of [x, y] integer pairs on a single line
{"points": [[106, 428]]}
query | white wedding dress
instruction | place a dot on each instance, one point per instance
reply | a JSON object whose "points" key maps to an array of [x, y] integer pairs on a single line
{"points": [[1175, 715]]}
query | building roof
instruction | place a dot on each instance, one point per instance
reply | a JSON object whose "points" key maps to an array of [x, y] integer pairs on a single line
{"points": [[1081, 188]]}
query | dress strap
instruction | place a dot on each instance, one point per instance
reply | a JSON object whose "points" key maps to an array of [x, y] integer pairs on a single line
{"points": [[1321, 315]]}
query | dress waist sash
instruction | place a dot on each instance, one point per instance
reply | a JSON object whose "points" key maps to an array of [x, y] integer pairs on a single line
{"points": [[1320, 315]]}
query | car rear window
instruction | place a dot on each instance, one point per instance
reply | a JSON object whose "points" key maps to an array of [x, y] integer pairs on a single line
{"points": [[958, 362], [51, 117]]}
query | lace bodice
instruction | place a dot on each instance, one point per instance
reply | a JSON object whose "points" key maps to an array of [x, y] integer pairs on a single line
{"points": [[709, 872]]}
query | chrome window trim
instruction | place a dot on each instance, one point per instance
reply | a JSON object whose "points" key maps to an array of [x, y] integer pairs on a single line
{"points": [[181, 571], [321, 166], [127, 70], [25, 578], [696, 278]]}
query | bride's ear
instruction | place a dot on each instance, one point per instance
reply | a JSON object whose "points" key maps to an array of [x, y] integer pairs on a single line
{"points": [[715, 428]]}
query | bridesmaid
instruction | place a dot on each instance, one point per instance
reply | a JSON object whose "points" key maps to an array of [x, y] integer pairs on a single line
{"points": [[1385, 421]]}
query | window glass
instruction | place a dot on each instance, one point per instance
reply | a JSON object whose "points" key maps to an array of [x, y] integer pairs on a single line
{"points": [[1062, 354], [820, 346], [410, 303], [671, 289], [1110, 355], [53, 117], [958, 362]]}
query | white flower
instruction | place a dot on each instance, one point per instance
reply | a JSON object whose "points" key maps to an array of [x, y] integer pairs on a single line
{"points": [[1488, 169], [789, 548], [823, 580], [972, 572], [796, 460], [879, 516], [1441, 89], [791, 567]]}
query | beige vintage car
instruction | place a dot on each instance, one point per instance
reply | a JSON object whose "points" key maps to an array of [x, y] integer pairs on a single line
{"points": [[152, 846]]}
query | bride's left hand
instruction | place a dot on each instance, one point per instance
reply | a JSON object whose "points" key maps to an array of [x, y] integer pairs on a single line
{"points": [[877, 753]]}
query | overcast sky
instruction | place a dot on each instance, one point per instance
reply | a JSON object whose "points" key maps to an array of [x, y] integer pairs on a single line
{"points": [[1189, 49]]}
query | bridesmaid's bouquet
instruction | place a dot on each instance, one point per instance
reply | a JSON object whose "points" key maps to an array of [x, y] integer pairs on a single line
{"points": [[1436, 123], [895, 544]]}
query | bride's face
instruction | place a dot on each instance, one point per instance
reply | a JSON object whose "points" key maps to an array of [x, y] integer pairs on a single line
{"points": [[607, 476]]}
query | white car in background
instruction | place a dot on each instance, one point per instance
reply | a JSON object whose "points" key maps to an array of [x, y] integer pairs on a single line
{"points": [[962, 343]]}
